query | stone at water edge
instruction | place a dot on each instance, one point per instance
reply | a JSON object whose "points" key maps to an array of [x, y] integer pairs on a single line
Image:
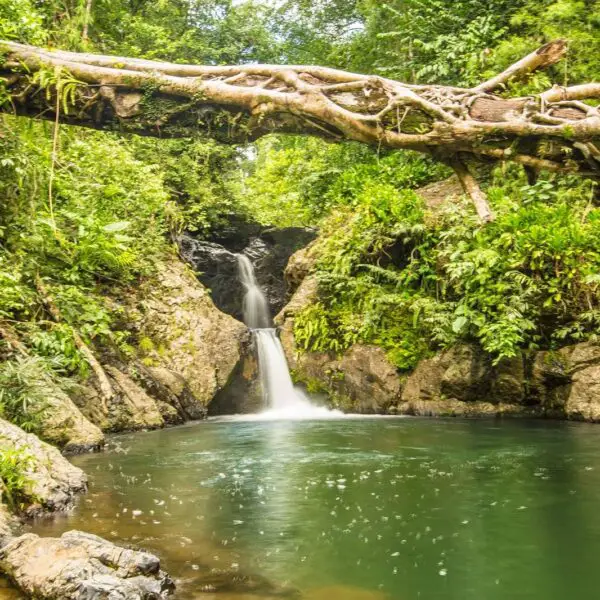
{"points": [[52, 479], [81, 566]]}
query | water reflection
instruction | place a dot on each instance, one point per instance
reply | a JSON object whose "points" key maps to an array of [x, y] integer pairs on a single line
{"points": [[357, 510]]}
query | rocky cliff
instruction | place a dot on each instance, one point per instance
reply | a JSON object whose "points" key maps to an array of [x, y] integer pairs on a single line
{"points": [[269, 250], [461, 381]]}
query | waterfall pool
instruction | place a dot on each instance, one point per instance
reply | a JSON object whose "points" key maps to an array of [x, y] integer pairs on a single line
{"points": [[355, 509]]}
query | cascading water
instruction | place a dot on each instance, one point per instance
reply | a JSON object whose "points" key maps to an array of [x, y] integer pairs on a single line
{"points": [[282, 398]]}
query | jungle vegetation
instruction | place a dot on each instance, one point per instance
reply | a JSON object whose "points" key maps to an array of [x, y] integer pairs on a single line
{"points": [[85, 214]]}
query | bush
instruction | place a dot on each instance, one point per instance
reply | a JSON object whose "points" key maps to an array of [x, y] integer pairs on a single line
{"points": [[14, 482], [411, 284]]}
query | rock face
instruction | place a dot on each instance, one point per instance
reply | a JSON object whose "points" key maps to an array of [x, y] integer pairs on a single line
{"points": [[361, 380], [64, 424], [180, 329], [52, 479], [5, 523], [461, 381], [269, 251], [80, 566], [567, 382]]}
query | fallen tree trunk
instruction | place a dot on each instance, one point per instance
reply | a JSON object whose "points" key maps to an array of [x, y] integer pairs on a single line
{"points": [[554, 130]]}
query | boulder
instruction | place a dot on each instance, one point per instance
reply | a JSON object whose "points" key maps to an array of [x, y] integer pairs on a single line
{"points": [[131, 408], [5, 524], [63, 424], [366, 379], [181, 330], [172, 388], [465, 374], [300, 266], [52, 481], [80, 566]]}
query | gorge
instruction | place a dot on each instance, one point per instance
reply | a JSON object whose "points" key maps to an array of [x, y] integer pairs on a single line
{"points": [[299, 299]]}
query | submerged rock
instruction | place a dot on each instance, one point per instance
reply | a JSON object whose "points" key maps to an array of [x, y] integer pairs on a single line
{"points": [[234, 582], [51, 480], [81, 566]]}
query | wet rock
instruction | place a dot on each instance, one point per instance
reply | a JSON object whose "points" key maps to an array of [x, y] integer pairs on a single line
{"points": [[243, 394], [80, 566], [270, 255], [269, 250], [172, 388], [52, 481], [217, 269], [181, 330]]}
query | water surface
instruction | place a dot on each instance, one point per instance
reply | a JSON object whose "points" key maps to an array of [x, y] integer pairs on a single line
{"points": [[358, 509]]}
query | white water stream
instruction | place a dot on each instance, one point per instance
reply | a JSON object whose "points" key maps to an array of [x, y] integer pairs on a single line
{"points": [[281, 397]]}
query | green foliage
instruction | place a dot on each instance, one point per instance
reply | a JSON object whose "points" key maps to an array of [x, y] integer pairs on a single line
{"points": [[24, 390], [529, 279], [20, 20], [297, 181], [14, 481]]}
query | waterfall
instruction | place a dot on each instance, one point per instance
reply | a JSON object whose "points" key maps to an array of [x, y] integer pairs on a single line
{"points": [[281, 397]]}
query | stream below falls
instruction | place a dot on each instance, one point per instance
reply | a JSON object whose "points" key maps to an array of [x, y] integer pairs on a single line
{"points": [[356, 508]]}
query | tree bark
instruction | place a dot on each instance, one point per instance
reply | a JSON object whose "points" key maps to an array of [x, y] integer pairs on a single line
{"points": [[554, 130]]}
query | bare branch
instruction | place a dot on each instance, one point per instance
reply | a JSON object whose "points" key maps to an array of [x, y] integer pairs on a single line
{"points": [[472, 189], [543, 57], [586, 91]]}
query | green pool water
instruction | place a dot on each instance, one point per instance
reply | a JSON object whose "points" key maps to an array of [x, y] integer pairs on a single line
{"points": [[358, 509]]}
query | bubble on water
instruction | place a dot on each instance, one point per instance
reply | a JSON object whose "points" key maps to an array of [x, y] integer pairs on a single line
{"points": [[443, 572]]}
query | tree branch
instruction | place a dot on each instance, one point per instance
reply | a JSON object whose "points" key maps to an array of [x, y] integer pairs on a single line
{"points": [[541, 58], [237, 104], [471, 188]]}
